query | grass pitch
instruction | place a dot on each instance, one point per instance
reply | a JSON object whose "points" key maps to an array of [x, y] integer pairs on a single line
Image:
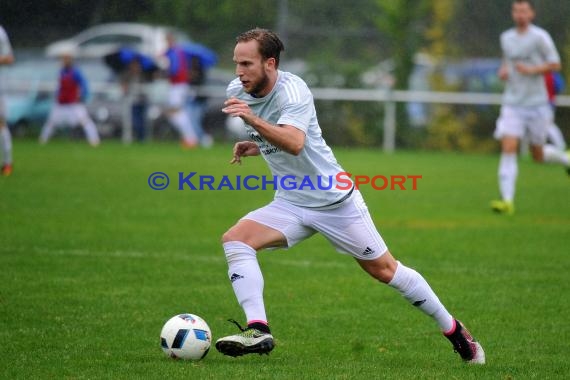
{"points": [[94, 262]]}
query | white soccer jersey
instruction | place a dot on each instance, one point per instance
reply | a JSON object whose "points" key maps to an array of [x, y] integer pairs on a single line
{"points": [[290, 102], [534, 47], [5, 49]]}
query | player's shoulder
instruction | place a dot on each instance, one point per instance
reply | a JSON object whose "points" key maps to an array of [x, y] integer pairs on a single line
{"points": [[509, 33], [292, 88], [234, 88], [539, 32]]}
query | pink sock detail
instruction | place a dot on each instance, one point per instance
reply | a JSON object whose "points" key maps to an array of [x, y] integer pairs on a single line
{"points": [[258, 321], [452, 329]]}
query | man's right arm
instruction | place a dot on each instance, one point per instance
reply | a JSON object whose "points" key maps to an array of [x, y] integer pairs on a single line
{"points": [[6, 59], [6, 56], [503, 72]]}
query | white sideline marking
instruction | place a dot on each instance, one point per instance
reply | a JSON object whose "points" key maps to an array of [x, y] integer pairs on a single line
{"points": [[276, 259]]}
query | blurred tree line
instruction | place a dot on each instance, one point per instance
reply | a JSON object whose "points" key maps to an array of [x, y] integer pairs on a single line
{"points": [[336, 41]]}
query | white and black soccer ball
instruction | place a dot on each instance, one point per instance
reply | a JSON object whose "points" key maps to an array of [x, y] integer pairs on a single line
{"points": [[186, 336]]}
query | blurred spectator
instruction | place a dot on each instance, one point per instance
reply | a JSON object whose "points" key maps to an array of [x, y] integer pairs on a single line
{"points": [[132, 82], [69, 108], [178, 74], [6, 58], [197, 104]]}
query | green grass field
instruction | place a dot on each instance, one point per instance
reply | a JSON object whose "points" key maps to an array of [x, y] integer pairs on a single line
{"points": [[93, 262]]}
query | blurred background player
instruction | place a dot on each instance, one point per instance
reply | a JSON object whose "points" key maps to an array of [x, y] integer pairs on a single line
{"points": [[6, 58], [132, 83], [178, 74], [554, 86], [197, 105], [528, 53], [69, 108]]}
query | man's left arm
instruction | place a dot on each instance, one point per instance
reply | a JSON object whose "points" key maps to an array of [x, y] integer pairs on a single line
{"points": [[538, 69], [83, 87], [550, 55]]}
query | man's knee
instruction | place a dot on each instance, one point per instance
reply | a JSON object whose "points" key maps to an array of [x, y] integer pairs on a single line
{"points": [[537, 154], [230, 235], [382, 268], [509, 144]]}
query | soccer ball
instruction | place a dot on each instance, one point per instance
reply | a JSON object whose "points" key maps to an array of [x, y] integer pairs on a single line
{"points": [[186, 336]]}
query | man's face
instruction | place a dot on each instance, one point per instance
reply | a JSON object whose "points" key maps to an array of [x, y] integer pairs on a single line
{"points": [[67, 60], [522, 13], [252, 69]]}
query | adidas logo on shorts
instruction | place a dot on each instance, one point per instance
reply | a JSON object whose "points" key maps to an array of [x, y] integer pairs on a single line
{"points": [[235, 277], [368, 251]]}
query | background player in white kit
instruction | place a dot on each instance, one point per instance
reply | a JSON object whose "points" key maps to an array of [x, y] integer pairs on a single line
{"points": [[528, 53], [6, 58], [69, 108], [280, 115]]}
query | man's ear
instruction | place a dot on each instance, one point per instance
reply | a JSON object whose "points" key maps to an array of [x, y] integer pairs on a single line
{"points": [[270, 63]]}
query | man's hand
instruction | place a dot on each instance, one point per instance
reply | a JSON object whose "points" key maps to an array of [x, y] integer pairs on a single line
{"points": [[244, 149], [526, 69], [238, 108], [503, 72]]}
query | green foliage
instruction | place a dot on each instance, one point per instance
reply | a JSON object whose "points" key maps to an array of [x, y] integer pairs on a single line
{"points": [[94, 262], [402, 21], [448, 128], [451, 131]]}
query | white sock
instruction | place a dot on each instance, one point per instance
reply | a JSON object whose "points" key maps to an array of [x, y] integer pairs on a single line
{"points": [[556, 137], [90, 132], [553, 155], [47, 131], [182, 122], [6, 138], [247, 280], [508, 171], [417, 291]]}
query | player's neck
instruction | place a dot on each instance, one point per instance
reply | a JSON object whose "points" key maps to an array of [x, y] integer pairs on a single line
{"points": [[272, 79], [523, 28]]}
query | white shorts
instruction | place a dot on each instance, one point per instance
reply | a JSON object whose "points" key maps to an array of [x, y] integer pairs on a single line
{"points": [[69, 114], [520, 121], [178, 95], [349, 227]]}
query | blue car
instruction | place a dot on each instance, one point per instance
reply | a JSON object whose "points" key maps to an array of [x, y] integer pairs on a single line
{"points": [[29, 93]]}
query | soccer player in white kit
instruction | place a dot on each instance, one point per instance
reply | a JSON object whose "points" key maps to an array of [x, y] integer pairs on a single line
{"points": [[6, 58], [281, 119], [528, 53]]}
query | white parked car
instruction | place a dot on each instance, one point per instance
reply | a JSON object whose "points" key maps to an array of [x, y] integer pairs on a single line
{"points": [[103, 39]]}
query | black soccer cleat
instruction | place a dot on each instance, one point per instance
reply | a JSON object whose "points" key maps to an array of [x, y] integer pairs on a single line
{"points": [[463, 343]]}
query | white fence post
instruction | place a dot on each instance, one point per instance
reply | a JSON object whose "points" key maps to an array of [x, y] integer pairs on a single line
{"points": [[127, 121], [389, 135]]}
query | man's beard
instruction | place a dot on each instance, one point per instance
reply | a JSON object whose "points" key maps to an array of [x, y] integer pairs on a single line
{"points": [[260, 86]]}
